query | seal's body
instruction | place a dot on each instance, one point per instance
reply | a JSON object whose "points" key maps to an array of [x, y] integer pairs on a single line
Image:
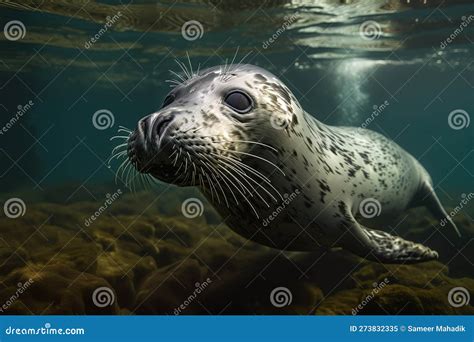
{"points": [[276, 174]]}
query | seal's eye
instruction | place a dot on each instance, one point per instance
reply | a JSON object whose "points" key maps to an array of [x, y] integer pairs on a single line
{"points": [[239, 101], [168, 100]]}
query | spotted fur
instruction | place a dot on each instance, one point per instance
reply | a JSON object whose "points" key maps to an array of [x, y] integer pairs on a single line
{"points": [[257, 166]]}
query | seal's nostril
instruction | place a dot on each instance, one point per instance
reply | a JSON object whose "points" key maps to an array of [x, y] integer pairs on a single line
{"points": [[160, 124]]}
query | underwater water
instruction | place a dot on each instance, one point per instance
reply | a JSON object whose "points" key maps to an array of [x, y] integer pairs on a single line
{"points": [[76, 239]]}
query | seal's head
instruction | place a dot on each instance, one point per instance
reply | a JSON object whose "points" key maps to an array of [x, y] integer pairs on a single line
{"points": [[216, 117]]}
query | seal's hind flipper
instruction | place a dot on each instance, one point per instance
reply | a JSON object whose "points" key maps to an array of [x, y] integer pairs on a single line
{"points": [[383, 247], [388, 248]]}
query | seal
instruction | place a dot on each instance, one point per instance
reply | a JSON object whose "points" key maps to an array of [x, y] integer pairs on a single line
{"points": [[277, 175]]}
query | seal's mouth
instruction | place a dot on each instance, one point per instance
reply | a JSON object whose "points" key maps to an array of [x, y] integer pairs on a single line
{"points": [[155, 152]]}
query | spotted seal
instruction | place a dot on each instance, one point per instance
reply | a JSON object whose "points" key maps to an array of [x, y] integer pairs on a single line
{"points": [[276, 174]]}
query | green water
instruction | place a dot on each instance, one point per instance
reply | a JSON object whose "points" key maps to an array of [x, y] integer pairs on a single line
{"points": [[405, 70]]}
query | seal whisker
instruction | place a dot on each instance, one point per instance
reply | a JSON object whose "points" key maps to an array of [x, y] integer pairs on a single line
{"points": [[176, 82], [118, 155], [124, 170], [190, 65], [182, 79], [123, 147], [213, 176], [150, 180], [179, 168], [198, 68], [242, 60], [201, 182], [212, 170], [255, 156], [211, 186], [184, 69], [145, 182], [219, 172], [250, 169], [241, 185], [240, 141], [221, 165], [246, 177], [227, 68], [134, 179], [242, 194], [194, 172], [176, 159], [119, 137], [173, 83], [128, 180], [118, 170]]}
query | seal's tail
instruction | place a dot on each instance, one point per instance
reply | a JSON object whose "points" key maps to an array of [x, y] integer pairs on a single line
{"points": [[432, 202]]}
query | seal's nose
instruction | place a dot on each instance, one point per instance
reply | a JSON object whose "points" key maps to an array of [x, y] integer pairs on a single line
{"points": [[153, 126]]}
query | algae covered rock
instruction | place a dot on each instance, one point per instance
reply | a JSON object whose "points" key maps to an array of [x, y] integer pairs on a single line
{"points": [[141, 255]]}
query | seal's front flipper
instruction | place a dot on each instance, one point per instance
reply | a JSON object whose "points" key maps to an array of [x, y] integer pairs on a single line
{"points": [[383, 247]]}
